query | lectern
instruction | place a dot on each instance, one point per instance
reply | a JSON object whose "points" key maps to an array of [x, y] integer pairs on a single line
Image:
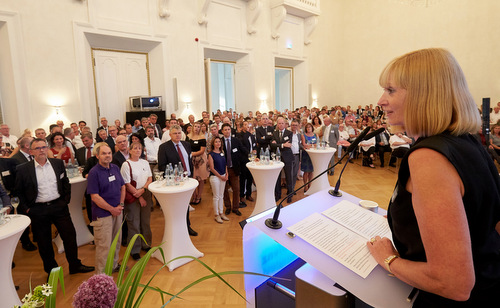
{"points": [[267, 251]]}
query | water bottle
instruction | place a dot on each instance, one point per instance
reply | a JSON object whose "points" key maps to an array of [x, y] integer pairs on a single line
{"points": [[262, 154], [266, 156], [278, 155], [181, 173], [167, 175], [176, 175]]}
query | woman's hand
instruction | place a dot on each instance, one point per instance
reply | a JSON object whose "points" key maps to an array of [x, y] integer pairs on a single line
{"points": [[142, 202], [138, 192], [381, 248]]}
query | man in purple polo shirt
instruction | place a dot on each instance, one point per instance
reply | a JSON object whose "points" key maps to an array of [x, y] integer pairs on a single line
{"points": [[107, 191]]}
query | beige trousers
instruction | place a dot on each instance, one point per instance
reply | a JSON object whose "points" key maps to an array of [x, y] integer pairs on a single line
{"points": [[105, 230]]}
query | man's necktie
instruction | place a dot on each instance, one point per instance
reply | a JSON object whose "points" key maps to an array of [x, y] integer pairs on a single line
{"points": [[228, 148], [182, 157]]}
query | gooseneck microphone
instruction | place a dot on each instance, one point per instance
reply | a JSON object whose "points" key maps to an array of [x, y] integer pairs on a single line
{"points": [[274, 223]]}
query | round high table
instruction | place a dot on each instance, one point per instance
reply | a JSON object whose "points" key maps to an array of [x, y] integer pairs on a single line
{"points": [[83, 235], [265, 177], [174, 201], [320, 159], [10, 232]]}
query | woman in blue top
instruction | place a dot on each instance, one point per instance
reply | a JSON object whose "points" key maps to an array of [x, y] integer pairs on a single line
{"points": [[445, 211], [218, 177], [308, 138]]}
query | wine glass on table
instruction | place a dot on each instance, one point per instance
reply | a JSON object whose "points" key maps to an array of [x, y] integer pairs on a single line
{"points": [[15, 203]]}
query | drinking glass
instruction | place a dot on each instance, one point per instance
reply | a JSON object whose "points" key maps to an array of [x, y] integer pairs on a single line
{"points": [[15, 202]]}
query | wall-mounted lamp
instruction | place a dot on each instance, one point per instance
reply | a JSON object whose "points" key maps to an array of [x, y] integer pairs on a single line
{"points": [[58, 108], [263, 103], [314, 101]]}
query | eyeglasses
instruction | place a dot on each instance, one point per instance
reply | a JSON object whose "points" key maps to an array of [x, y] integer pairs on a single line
{"points": [[40, 148]]}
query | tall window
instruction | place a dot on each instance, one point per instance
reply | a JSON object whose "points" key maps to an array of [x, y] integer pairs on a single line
{"points": [[222, 85], [283, 88]]}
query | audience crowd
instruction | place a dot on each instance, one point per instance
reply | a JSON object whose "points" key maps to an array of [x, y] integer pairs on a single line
{"points": [[118, 162]]}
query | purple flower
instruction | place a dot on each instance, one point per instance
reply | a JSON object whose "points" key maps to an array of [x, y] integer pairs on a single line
{"points": [[99, 291]]}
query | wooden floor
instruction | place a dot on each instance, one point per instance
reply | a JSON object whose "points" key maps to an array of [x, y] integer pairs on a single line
{"points": [[221, 244]]}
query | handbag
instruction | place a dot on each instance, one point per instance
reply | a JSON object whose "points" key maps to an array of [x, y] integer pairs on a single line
{"points": [[129, 198]]}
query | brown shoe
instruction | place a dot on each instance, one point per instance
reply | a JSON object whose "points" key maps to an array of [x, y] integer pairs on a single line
{"points": [[249, 198]]}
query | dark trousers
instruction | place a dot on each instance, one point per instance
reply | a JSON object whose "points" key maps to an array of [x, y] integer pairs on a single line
{"points": [[42, 217], [381, 150], [398, 153], [288, 169], [246, 181], [295, 169], [234, 181]]}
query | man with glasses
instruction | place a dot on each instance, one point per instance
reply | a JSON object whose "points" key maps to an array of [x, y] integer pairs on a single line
{"points": [[44, 192]]}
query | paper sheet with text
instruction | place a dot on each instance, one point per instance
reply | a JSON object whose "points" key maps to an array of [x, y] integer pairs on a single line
{"points": [[342, 232]]}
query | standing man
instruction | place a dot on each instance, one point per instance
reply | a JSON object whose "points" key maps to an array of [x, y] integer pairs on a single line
{"points": [[23, 155], [104, 125], [85, 152], [122, 154], [158, 132], [152, 145], [263, 134], [176, 151], [44, 193], [330, 134], [282, 140], [107, 190], [142, 131], [236, 155], [296, 148], [246, 179]]}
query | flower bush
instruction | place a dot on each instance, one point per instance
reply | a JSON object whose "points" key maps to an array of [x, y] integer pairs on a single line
{"points": [[99, 291], [37, 297]]}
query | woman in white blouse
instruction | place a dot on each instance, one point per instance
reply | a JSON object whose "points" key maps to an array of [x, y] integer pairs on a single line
{"points": [[138, 213]]}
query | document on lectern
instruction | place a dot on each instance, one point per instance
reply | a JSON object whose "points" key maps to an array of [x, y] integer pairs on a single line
{"points": [[342, 232]]}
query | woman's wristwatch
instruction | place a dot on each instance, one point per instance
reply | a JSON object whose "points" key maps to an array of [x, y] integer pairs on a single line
{"points": [[388, 262]]}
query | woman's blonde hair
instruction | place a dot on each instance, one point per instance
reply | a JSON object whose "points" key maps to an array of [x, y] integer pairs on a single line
{"points": [[437, 97]]}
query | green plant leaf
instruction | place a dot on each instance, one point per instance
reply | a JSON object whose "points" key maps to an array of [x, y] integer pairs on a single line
{"points": [[108, 268], [56, 275]]}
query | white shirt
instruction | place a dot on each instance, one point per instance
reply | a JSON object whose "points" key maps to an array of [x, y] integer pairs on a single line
{"points": [[140, 172], [47, 182], [166, 136], [77, 141], [343, 135], [12, 140], [152, 148], [494, 117], [295, 143], [396, 138]]}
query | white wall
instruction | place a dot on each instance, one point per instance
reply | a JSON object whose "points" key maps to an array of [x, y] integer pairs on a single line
{"points": [[361, 36], [50, 43]]}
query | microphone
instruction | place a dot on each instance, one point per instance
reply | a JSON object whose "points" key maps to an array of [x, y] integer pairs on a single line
{"points": [[374, 133], [274, 223]]}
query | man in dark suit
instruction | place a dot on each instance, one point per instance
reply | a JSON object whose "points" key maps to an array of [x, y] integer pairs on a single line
{"points": [[176, 151], [236, 156], [263, 134], [8, 174], [282, 140], [382, 145], [44, 193], [84, 153], [142, 131], [246, 179], [23, 156], [157, 129], [104, 125], [121, 155]]}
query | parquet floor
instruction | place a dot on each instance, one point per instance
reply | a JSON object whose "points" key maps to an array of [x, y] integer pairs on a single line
{"points": [[221, 244]]}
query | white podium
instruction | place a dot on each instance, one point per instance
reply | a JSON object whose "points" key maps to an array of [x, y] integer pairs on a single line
{"points": [[10, 232], [174, 201], [83, 235], [320, 159], [267, 251], [264, 176]]}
